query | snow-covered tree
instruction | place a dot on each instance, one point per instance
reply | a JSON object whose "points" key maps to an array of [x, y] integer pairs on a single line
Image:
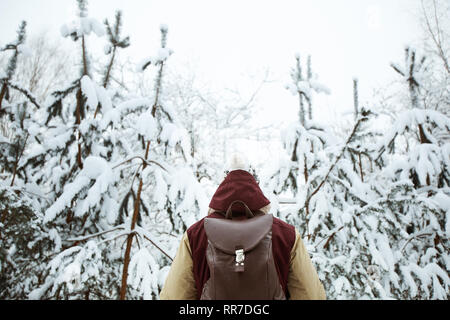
{"points": [[385, 236], [374, 210], [44, 63], [115, 42], [125, 177], [435, 26], [15, 113], [22, 237], [215, 121], [16, 47], [102, 172], [304, 141], [418, 178], [304, 87]]}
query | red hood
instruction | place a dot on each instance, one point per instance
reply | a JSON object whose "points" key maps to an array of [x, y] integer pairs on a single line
{"points": [[238, 185]]}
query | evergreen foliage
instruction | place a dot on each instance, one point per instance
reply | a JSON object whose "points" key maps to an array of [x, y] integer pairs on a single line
{"points": [[99, 183]]}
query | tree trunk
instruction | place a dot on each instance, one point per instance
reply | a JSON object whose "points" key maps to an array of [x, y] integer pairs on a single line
{"points": [[83, 51], [158, 89], [78, 122], [126, 260], [423, 137], [355, 97], [360, 167], [108, 71], [18, 157], [305, 169], [302, 109], [107, 76], [2, 94]]}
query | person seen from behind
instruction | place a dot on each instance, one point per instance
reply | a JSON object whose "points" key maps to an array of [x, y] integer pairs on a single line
{"points": [[240, 251]]}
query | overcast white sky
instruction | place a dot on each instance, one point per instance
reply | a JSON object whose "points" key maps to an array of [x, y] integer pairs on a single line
{"points": [[228, 40]]}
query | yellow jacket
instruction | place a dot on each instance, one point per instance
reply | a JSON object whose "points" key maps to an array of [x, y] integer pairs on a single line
{"points": [[303, 281]]}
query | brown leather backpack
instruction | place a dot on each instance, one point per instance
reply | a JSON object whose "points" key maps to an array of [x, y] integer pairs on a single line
{"points": [[240, 259]]}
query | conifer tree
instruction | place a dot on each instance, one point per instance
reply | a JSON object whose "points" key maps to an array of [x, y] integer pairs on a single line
{"points": [[23, 240], [305, 142], [115, 42], [419, 177], [16, 46], [15, 114], [125, 141], [383, 236]]}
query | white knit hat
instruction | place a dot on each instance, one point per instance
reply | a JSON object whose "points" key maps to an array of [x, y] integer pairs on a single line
{"points": [[238, 162]]}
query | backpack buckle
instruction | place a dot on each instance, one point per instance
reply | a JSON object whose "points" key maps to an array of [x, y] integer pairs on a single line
{"points": [[240, 257]]}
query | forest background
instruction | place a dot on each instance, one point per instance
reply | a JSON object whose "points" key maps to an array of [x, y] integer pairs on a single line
{"points": [[109, 153]]}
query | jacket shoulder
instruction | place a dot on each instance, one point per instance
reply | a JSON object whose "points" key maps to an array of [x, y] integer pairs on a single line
{"points": [[278, 223], [197, 225], [196, 231], [283, 231]]}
